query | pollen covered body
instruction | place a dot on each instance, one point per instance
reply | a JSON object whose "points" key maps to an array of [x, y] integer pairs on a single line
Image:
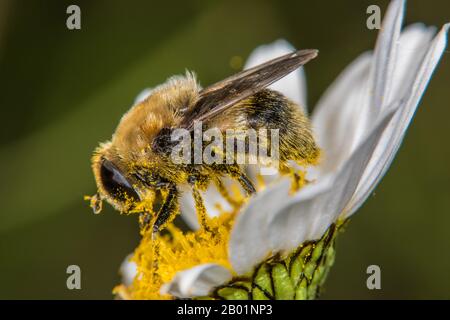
{"points": [[137, 165]]}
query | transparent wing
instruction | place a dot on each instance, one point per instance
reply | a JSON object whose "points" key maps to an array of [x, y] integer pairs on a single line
{"points": [[224, 94]]}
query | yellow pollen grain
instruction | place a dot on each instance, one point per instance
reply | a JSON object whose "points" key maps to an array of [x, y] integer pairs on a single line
{"points": [[159, 259]]}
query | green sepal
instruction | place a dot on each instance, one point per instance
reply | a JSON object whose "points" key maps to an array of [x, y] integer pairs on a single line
{"points": [[299, 275], [282, 283], [232, 293]]}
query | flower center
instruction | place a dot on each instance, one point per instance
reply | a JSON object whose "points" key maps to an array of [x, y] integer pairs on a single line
{"points": [[159, 259]]}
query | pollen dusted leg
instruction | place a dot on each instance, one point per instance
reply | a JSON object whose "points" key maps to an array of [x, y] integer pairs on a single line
{"points": [[226, 195], [168, 210], [196, 182], [297, 177], [246, 183], [145, 219], [235, 172], [200, 208], [95, 202]]}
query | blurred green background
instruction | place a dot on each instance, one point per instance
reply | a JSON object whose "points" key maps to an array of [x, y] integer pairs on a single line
{"points": [[64, 91]]}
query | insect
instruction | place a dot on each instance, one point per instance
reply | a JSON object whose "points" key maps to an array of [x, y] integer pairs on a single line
{"points": [[136, 164]]}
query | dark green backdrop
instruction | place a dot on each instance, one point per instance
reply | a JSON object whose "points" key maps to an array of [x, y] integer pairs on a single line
{"points": [[61, 92]]}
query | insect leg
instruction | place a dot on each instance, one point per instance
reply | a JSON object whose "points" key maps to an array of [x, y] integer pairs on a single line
{"points": [[95, 202], [144, 221], [224, 192], [200, 208], [168, 209], [235, 172]]}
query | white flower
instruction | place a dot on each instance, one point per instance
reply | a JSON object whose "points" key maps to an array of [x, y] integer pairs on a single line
{"points": [[128, 270], [359, 123]]}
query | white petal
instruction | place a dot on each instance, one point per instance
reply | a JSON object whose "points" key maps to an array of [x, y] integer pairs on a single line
{"points": [[197, 281], [393, 136], [385, 56], [187, 207], [298, 217], [274, 221], [293, 85], [413, 45], [249, 243], [142, 95], [128, 271], [326, 206], [341, 113]]}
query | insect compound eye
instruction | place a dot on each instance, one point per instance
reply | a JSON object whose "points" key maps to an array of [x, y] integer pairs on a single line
{"points": [[115, 183]]}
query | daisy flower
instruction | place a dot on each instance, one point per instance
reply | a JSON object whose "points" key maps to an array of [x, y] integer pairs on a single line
{"points": [[279, 244]]}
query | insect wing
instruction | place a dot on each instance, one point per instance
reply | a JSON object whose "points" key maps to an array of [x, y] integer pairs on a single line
{"points": [[224, 94]]}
